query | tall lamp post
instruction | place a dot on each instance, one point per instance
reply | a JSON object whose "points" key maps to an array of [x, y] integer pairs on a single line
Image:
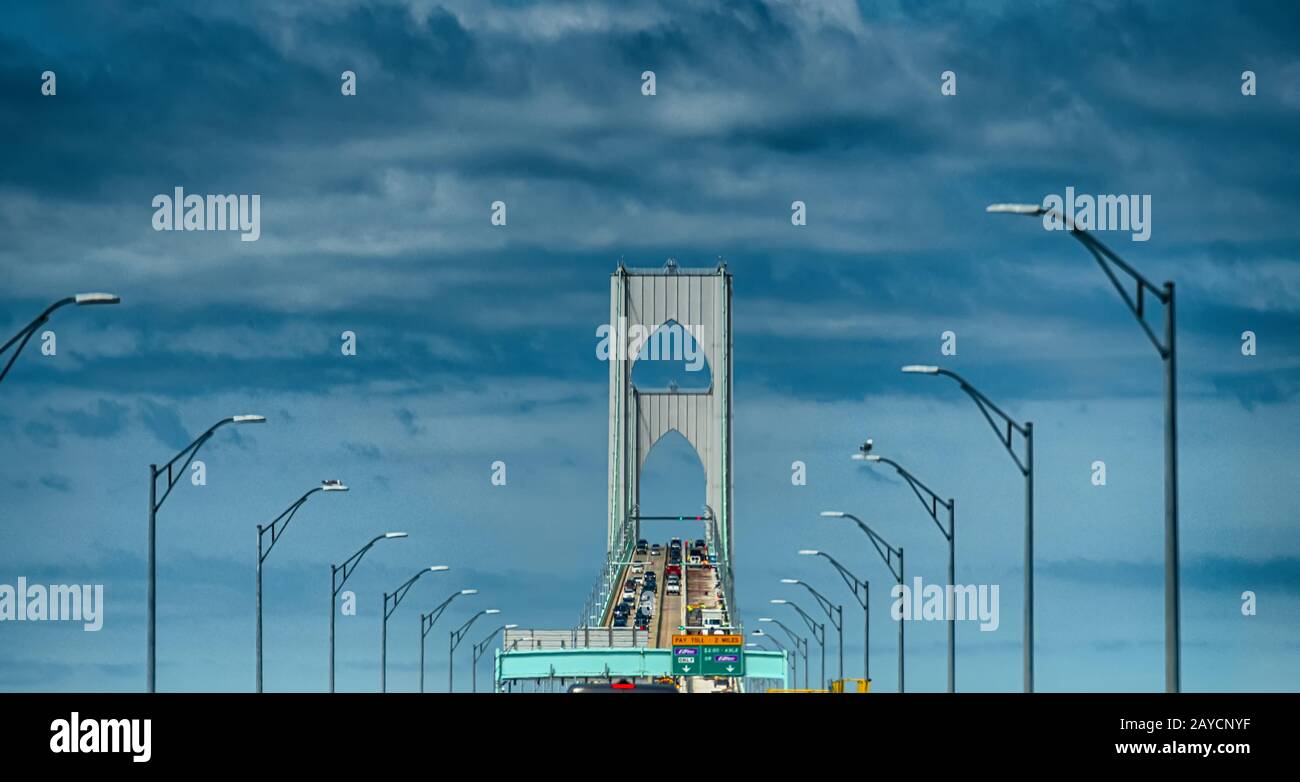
{"points": [[156, 502], [817, 629], [427, 621], [834, 612], [931, 502], [1005, 432], [453, 641], [28, 331], [397, 595], [781, 648], [862, 593], [479, 650], [887, 553], [800, 645], [1167, 350], [336, 584], [276, 528]]}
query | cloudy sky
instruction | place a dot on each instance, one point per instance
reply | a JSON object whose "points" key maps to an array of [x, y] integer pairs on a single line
{"points": [[475, 342]]}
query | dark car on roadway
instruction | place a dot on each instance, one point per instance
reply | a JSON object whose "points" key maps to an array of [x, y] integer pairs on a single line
{"points": [[623, 685]]}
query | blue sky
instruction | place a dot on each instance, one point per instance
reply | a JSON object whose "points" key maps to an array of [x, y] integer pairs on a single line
{"points": [[476, 343]]}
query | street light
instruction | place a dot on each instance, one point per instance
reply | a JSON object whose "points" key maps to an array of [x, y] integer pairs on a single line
{"points": [[28, 331], [863, 600], [1167, 350], [336, 584], [887, 553], [781, 648], [833, 612], [427, 621], [800, 645], [479, 649], [397, 595], [155, 502], [277, 528], [817, 629], [931, 502], [1004, 433], [453, 641]]}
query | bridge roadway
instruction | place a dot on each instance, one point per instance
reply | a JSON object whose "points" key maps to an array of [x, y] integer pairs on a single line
{"points": [[670, 610]]}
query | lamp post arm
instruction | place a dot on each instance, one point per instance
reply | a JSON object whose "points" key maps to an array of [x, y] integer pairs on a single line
{"points": [[822, 601], [188, 453], [433, 616], [930, 499], [986, 406], [400, 592], [458, 634], [31, 328], [887, 552], [1106, 258], [813, 624], [481, 647], [350, 564], [854, 583], [794, 639], [281, 522]]}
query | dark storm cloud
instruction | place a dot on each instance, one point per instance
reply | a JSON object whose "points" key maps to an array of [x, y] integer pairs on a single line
{"points": [[105, 419], [164, 422]]}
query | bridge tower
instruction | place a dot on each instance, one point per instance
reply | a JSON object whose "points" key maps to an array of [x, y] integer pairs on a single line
{"points": [[700, 300]]}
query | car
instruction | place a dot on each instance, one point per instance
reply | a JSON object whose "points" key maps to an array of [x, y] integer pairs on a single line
{"points": [[623, 685], [674, 570], [675, 543], [699, 543], [656, 550], [638, 567], [620, 621], [674, 588]]}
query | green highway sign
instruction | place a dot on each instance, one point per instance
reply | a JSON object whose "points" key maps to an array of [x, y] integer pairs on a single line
{"points": [[708, 660], [723, 661], [686, 661]]}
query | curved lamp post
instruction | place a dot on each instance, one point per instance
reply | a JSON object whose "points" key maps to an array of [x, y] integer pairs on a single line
{"points": [[336, 584], [800, 645], [155, 502], [780, 647], [479, 650], [397, 595], [931, 502], [887, 553], [26, 333], [817, 629], [1167, 350], [427, 621], [276, 528], [1005, 432], [453, 641], [834, 612], [862, 593]]}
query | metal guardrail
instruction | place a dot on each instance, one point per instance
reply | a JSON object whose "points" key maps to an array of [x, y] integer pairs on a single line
{"points": [[528, 640]]}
